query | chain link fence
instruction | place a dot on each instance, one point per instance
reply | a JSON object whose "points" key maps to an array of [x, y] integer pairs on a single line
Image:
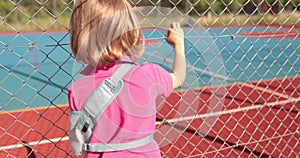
{"points": [[240, 98]]}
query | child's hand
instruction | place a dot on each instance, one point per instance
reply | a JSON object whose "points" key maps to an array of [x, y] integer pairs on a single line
{"points": [[175, 37], [175, 34]]}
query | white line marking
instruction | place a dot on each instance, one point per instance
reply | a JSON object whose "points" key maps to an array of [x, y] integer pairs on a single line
{"points": [[262, 89], [243, 109], [60, 139], [45, 141]]}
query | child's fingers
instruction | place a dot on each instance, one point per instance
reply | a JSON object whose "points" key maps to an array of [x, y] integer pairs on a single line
{"points": [[175, 25], [176, 31], [167, 34], [175, 34], [175, 28]]}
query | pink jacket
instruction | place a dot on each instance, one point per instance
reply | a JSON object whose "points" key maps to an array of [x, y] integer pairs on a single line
{"points": [[132, 114]]}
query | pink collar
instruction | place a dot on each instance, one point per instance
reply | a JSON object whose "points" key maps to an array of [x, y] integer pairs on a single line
{"points": [[90, 69]]}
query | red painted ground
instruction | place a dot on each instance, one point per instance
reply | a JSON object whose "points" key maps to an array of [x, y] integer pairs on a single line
{"points": [[277, 34], [259, 132]]}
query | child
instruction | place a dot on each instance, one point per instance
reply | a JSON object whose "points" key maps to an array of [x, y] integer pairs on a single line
{"points": [[105, 34]]}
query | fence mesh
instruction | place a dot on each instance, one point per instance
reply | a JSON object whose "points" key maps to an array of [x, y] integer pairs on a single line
{"points": [[240, 98]]}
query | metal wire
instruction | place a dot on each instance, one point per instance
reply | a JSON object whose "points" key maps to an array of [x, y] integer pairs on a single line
{"points": [[240, 98]]}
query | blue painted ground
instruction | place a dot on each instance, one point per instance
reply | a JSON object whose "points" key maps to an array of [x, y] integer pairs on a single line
{"points": [[40, 75]]}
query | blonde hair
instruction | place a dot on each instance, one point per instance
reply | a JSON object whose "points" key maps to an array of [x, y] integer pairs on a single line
{"points": [[104, 30]]}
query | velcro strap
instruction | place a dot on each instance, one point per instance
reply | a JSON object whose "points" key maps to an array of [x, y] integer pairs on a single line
{"points": [[100, 99], [106, 92], [117, 147]]}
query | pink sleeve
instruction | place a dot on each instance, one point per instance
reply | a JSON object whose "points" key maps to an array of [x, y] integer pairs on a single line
{"points": [[164, 78]]}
